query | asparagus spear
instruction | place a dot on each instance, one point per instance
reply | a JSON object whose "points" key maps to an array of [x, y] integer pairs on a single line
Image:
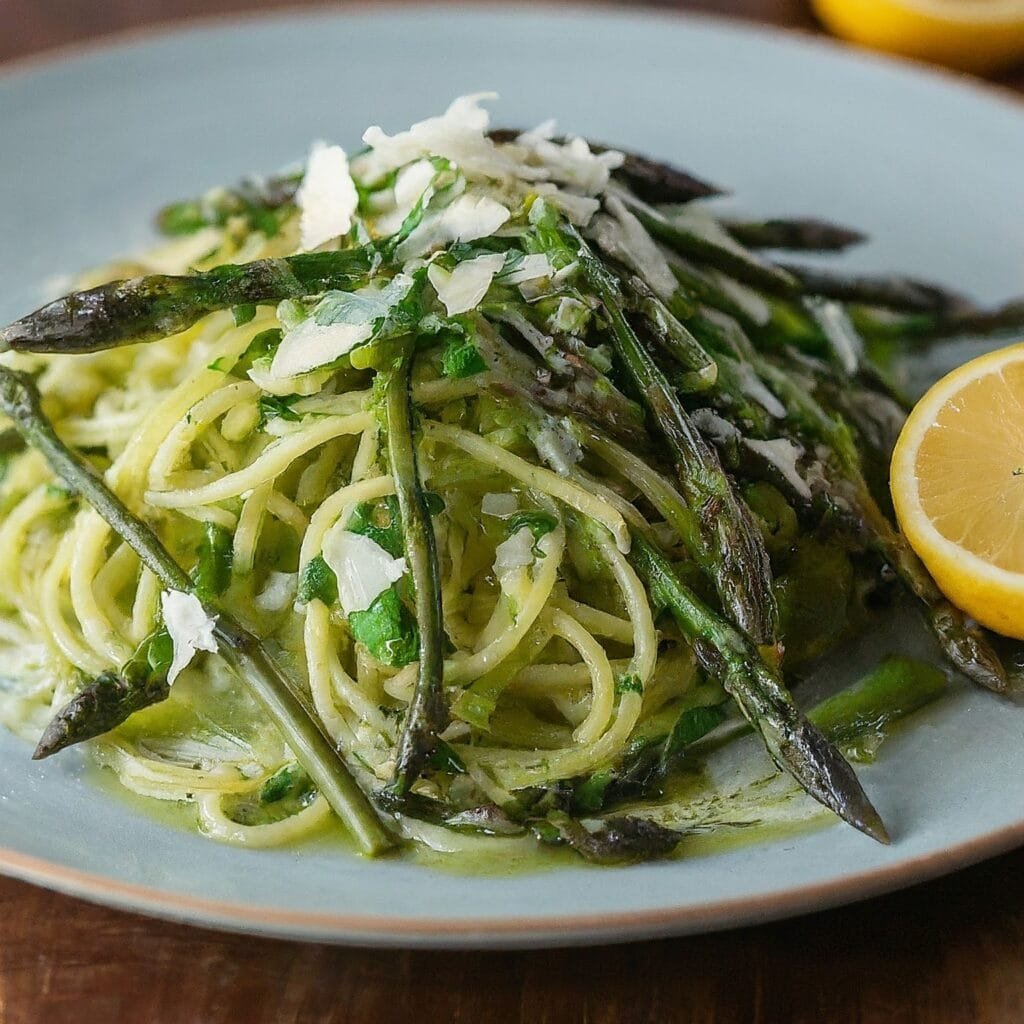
{"points": [[588, 390], [793, 742], [1008, 317], [622, 839], [428, 712], [894, 292], [651, 180], [280, 697], [701, 368], [964, 644], [731, 549], [797, 233], [732, 259], [112, 697], [153, 307]]}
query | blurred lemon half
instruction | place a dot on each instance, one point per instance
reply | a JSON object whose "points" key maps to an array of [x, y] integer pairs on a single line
{"points": [[957, 484], [971, 35]]}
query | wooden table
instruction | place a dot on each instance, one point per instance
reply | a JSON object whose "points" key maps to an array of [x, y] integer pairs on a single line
{"points": [[949, 952]]}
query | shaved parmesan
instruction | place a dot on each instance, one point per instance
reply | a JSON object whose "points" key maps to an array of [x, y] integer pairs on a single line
{"points": [[753, 387], [464, 288], [513, 554], [713, 427], [278, 593], [624, 238], [574, 164], [579, 209], [530, 268], [338, 323], [311, 345], [545, 130], [411, 183], [327, 199], [783, 454], [465, 220], [363, 568], [458, 135], [190, 629], [501, 506], [557, 448], [847, 344]]}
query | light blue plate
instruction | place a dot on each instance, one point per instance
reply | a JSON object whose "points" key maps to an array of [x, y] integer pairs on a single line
{"points": [[91, 145]]}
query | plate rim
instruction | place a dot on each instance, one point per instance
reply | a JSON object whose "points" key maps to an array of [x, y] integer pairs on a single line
{"points": [[39, 61], [499, 932]]}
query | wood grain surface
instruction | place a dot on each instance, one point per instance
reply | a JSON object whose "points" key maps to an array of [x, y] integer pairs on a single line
{"points": [[949, 952]]}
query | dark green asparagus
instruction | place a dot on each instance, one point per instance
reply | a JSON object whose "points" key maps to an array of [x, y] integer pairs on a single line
{"points": [[731, 550], [735, 262], [797, 234], [149, 308], [794, 743], [652, 180], [281, 698], [428, 711], [964, 644], [807, 422], [701, 369], [892, 291], [112, 697]]}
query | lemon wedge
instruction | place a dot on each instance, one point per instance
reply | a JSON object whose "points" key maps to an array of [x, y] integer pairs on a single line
{"points": [[971, 35], [957, 484]]}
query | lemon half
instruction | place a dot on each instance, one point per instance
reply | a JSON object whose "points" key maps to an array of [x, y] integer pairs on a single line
{"points": [[973, 35], [957, 484]]}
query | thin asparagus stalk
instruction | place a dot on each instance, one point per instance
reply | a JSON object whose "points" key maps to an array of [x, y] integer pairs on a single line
{"points": [[149, 308], [801, 233], [733, 261], [428, 712], [964, 644], [588, 390], [280, 698], [701, 368], [1008, 317], [651, 180], [732, 551], [893, 292], [112, 697], [795, 745]]}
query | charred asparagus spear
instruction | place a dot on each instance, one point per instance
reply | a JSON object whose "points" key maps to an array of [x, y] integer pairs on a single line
{"points": [[796, 234], [794, 743], [428, 711], [153, 307], [731, 550]]}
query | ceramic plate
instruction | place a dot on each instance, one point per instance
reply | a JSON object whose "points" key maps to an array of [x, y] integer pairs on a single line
{"points": [[91, 144]]}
